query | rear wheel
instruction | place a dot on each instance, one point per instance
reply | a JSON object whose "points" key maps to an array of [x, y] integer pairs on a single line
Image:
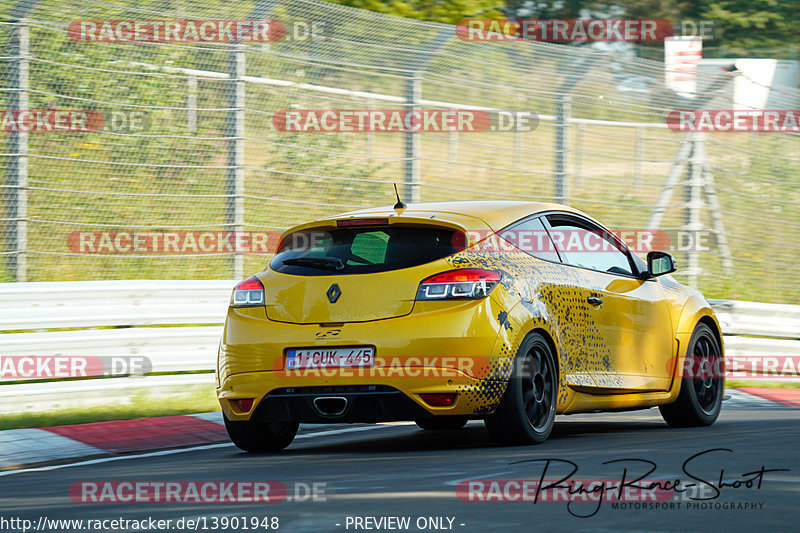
{"points": [[442, 423], [700, 399], [253, 436], [528, 409]]}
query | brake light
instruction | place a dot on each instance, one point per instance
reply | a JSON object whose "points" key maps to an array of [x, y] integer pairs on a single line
{"points": [[461, 284], [248, 293], [362, 222]]}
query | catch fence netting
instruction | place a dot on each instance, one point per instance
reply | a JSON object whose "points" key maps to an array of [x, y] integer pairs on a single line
{"points": [[189, 144]]}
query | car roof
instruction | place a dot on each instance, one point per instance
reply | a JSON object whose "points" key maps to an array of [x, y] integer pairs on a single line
{"points": [[495, 213]]}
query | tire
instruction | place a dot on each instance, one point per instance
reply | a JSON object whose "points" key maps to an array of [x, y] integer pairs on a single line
{"points": [[261, 436], [442, 423], [700, 398], [527, 412]]}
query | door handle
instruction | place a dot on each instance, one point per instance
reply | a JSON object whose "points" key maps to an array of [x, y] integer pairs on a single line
{"points": [[594, 300]]}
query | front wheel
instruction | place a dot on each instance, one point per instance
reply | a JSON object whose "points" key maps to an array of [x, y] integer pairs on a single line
{"points": [[700, 399], [527, 412], [252, 436]]}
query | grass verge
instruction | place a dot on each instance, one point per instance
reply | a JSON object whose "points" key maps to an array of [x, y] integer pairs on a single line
{"points": [[743, 383], [138, 404]]}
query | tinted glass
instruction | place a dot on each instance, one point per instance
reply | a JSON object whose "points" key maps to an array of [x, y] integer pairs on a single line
{"points": [[585, 245], [531, 237], [364, 250]]}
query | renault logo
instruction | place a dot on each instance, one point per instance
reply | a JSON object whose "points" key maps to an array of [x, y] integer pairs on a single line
{"points": [[333, 293]]}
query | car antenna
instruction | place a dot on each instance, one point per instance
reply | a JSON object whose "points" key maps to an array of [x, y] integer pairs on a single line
{"points": [[399, 204]]}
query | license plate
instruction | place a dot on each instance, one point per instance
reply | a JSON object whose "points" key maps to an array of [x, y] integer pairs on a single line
{"points": [[349, 357]]}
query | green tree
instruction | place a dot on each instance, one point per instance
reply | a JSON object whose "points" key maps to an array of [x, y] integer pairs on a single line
{"points": [[737, 24], [754, 23], [742, 24], [549, 9], [447, 11]]}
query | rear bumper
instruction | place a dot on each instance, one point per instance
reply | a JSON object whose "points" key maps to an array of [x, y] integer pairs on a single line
{"points": [[475, 397], [436, 349], [316, 405]]}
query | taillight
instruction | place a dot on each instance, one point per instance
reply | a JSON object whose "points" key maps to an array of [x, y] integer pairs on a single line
{"points": [[461, 284], [348, 222], [248, 293]]}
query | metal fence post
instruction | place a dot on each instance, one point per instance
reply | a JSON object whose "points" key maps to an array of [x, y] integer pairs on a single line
{"points": [[578, 157], [638, 156], [452, 149], [412, 140], [413, 89], [516, 152], [694, 205], [370, 140], [235, 133], [18, 149], [561, 149], [191, 103]]}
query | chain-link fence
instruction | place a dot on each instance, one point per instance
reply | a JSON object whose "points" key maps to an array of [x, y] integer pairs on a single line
{"points": [[184, 139]]}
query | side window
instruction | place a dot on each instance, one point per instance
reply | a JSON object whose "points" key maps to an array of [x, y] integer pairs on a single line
{"points": [[583, 244], [531, 237]]}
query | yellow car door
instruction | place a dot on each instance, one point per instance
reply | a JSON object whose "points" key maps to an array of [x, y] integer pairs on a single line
{"points": [[629, 340], [554, 283]]}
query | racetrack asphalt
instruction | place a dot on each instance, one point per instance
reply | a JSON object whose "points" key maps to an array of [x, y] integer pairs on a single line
{"points": [[401, 471]]}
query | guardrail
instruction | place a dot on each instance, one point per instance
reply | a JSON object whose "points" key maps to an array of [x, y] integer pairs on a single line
{"points": [[138, 311], [177, 326], [84, 304], [757, 319], [763, 334]]}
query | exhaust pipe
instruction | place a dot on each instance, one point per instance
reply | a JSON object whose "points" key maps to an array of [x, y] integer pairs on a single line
{"points": [[330, 405]]}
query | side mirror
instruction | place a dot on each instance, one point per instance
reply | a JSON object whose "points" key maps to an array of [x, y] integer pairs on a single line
{"points": [[660, 263]]}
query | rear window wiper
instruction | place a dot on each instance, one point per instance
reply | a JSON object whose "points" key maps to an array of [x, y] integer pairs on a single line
{"points": [[324, 262]]}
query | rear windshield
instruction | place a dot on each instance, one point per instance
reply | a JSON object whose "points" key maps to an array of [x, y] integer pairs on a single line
{"points": [[362, 250]]}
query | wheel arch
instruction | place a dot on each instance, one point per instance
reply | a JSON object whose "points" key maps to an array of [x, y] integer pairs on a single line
{"points": [[563, 393], [538, 324], [551, 342], [695, 311], [714, 327]]}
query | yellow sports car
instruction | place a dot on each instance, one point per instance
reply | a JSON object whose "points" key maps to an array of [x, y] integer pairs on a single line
{"points": [[509, 312]]}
